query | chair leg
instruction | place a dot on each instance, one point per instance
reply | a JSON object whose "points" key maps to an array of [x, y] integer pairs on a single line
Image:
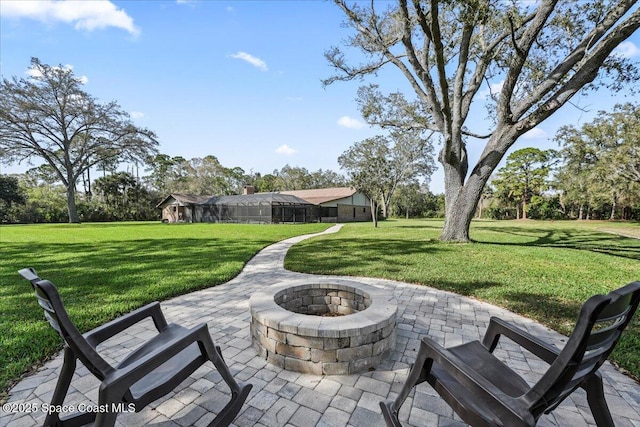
{"points": [[417, 375], [239, 392], [231, 409], [60, 393], [597, 401], [107, 398], [62, 386]]}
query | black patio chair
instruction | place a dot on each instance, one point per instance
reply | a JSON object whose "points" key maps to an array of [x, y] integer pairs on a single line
{"points": [[148, 373], [484, 391]]}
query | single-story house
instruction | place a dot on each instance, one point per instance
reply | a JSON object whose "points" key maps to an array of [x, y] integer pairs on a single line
{"points": [[341, 204], [338, 204], [183, 207]]}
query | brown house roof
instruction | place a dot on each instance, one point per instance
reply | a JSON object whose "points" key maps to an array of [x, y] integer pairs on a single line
{"points": [[300, 197], [322, 195]]}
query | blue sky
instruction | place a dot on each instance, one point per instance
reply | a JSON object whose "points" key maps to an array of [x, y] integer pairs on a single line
{"points": [[240, 80]]}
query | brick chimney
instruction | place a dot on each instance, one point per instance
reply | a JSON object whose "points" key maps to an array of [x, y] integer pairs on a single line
{"points": [[249, 189]]}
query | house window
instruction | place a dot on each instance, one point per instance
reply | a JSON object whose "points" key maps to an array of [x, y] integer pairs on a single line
{"points": [[354, 212], [175, 208], [364, 210], [328, 211]]}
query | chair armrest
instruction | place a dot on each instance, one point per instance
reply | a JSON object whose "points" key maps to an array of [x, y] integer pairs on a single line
{"points": [[535, 345], [114, 327], [468, 377], [124, 377]]}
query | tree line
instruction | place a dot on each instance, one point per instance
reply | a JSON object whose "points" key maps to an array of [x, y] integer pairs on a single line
{"points": [[595, 173], [124, 195]]}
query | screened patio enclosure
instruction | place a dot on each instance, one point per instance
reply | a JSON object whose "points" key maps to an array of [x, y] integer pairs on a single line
{"points": [[270, 208]]}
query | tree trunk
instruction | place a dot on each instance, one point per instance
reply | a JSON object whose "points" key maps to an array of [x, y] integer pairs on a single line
{"points": [[524, 208], [458, 219], [374, 213], [460, 208], [89, 194], [71, 205], [580, 211], [461, 198], [613, 207], [385, 208]]}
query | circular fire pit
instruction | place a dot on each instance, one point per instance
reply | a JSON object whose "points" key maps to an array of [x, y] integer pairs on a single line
{"points": [[325, 328]]}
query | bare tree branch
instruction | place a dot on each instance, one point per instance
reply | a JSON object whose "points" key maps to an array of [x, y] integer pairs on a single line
{"points": [[572, 59]]}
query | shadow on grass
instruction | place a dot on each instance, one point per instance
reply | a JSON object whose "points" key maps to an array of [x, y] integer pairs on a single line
{"points": [[317, 256], [560, 315], [97, 225], [383, 259], [132, 271], [421, 227], [582, 240]]}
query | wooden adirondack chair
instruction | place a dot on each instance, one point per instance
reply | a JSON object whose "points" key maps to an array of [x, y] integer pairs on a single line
{"points": [[148, 373], [485, 392]]}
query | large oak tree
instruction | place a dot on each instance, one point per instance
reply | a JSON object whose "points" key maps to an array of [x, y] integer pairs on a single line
{"points": [[48, 116], [536, 57]]}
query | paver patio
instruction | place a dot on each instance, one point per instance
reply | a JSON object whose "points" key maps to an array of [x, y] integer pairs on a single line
{"points": [[284, 398]]}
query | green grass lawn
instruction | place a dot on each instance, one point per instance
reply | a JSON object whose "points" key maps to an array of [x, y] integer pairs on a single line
{"points": [[105, 270], [542, 270]]}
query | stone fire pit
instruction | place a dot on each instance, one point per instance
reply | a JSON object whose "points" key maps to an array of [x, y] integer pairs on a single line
{"points": [[326, 327]]}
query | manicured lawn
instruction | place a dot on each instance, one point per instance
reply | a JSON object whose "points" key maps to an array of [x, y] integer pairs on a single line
{"points": [[542, 270], [105, 270]]}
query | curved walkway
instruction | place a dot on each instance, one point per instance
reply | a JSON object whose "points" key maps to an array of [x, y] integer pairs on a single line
{"points": [[283, 398]]}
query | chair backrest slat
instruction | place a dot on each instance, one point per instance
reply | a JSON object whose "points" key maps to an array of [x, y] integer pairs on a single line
{"points": [[49, 312], [620, 306], [57, 316], [600, 324], [603, 338], [53, 321], [603, 346]]}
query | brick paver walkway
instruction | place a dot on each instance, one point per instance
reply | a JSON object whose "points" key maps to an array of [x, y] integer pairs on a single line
{"points": [[283, 398]]}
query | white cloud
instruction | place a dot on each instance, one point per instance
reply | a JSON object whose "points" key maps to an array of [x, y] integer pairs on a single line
{"points": [[627, 50], [493, 91], [256, 62], [32, 72], [136, 115], [535, 133], [497, 87], [85, 15], [350, 122], [286, 150]]}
